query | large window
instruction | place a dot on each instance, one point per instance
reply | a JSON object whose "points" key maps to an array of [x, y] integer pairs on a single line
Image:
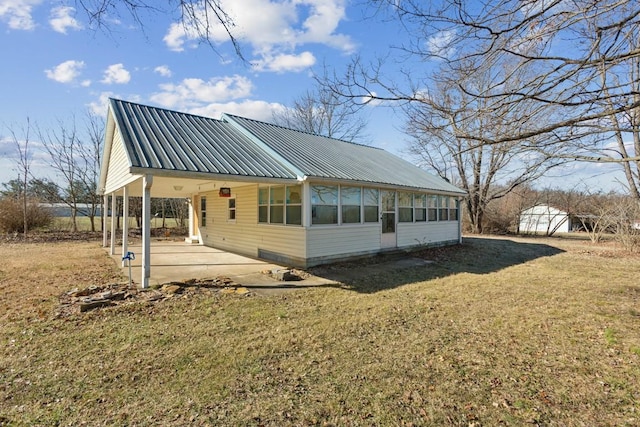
{"points": [[275, 208], [405, 207], [203, 211], [324, 204], [371, 199], [420, 205], [350, 202], [432, 203]]}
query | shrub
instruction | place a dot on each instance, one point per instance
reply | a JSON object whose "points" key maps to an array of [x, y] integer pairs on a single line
{"points": [[12, 217]]}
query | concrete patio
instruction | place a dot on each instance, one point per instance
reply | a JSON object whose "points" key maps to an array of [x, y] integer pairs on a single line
{"points": [[178, 261]]}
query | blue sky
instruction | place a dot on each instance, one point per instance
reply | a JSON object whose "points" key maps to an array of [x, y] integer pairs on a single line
{"points": [[56, 66]]}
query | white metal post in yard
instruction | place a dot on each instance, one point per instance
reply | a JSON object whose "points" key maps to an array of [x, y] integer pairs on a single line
{"points": [[125, 224], [126, 259], [147, 182]]}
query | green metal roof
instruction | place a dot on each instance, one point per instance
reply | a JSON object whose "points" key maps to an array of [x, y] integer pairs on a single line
{"points": [[328, 158], [162, 139], [156, 138]]}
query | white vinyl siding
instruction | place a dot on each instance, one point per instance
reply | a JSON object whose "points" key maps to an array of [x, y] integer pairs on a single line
{"points": [[426, 233], [343, 240], [245, 236], [118, 171]]}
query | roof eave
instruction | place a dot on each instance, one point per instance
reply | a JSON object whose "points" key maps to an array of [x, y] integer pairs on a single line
{"points": [[386, 185], [210, 175]]}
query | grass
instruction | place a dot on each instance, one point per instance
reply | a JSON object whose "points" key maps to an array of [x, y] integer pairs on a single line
{"points": [[84, 223], [498, 331]]}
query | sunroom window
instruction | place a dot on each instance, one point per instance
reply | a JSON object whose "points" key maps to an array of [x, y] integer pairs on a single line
{"points": [[432, 203], [294, 205], [420, 206], [324, 204], [405, 207], [371, 199], [350, 198]]}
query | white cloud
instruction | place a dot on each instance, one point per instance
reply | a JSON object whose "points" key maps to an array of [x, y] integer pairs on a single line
{"points": [[99, 107], [65, 72], [286, 62], [163, 70], [62, 19], [441, 44], [17, 13], [272, 28], [371, 100], [254, 109], [194, 92], [116, 74], [215, 96]]}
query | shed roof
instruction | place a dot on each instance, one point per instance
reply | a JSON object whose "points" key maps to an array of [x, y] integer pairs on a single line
{"points": [[165, 140]]}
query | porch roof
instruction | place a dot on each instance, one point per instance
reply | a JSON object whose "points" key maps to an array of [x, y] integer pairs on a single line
{"points": [[156, 138]]}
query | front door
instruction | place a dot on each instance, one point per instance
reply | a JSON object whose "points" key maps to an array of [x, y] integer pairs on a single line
{"points": [[388, 237]]}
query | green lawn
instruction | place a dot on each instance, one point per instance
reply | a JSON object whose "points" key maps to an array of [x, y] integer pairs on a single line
{"points": [[495, 332]]}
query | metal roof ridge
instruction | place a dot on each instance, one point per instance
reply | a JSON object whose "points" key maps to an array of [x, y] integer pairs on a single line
{"points": [[358, 144], [228, 118]]}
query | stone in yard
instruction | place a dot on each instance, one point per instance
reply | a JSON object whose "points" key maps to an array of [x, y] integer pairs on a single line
{"points": [[242, 291], [285, 275], [86, 306], [172, 289], [84, 292]]}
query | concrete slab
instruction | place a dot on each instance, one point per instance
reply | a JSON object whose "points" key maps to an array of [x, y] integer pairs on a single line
{"points": [[179, 261]]}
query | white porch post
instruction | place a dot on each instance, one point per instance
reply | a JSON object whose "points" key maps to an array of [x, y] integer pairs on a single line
{"points": [[459, 202], [112, 251], [192, 214], [306, 204], [125, 223], [147, 182], [105, 218]]}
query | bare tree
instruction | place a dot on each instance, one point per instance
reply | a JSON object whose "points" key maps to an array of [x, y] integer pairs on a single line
{"points": [[200, 18], [583, 56], [64, 147], [23, 166], [448, 127], [321, 111], [89, 153]]}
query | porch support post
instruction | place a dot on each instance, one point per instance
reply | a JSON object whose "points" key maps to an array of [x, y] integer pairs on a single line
{"points": [[125, 223], [105, 218], [112, 251], [192, 215], [147, 182], [459, 202], [306, 204]]}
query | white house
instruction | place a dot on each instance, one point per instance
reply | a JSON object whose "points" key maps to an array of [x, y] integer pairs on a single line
{"points": [[270, 192], [547, 220]]}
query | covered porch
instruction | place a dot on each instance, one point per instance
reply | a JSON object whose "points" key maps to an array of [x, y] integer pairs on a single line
{"points": [[176, 261], [171, 260]]}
